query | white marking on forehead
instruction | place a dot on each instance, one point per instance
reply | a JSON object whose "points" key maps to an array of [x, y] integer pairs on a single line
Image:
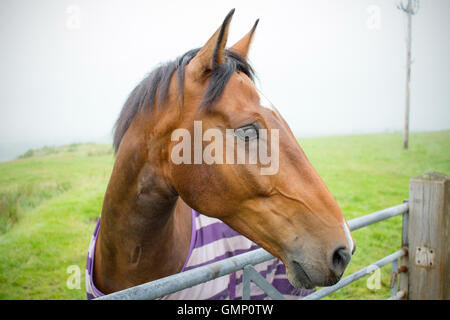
{"points": [[264, 102], [348, 236]]}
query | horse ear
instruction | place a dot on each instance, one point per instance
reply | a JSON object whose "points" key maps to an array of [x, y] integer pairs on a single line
{"points": [[242, 46], [212, 54]]}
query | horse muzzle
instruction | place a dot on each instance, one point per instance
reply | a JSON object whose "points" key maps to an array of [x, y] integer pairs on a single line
{"points": [[305, 274]]}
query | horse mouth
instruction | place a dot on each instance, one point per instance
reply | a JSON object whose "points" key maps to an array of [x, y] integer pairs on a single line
{"points": [[301, 277]]}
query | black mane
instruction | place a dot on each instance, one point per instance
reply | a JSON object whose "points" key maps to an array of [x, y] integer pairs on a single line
{"points": [[143, 96]]}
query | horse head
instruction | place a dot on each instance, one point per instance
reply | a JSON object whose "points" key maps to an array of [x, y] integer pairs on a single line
{"points": [[288, 210]]}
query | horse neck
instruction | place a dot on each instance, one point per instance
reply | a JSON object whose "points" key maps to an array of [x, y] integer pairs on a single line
{"points": [[145, 227]]}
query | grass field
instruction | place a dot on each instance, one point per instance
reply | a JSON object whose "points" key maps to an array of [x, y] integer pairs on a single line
{"points": [[50, 199]]}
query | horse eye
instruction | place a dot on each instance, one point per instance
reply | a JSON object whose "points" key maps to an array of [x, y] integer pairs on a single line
{"points": [[247, 133]]}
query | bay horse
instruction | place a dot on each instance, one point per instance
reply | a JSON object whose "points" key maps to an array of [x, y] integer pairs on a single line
{"points": [[158, 216]]}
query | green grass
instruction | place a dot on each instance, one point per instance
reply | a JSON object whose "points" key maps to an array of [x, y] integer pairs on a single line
{"points": [[51, 197], [46, 232]]}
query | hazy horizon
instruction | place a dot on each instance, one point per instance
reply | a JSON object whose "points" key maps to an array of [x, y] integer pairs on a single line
{"points": [[10, 151], [330, 67]]}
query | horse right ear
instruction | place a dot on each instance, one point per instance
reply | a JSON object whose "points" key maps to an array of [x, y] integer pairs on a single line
{"points": [[212, 54], [243, 46]]}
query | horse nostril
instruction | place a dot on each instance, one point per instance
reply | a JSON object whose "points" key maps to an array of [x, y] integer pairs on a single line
{"points": [[341, 258]]}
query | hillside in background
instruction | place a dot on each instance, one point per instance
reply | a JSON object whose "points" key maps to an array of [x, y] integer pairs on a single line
{"points": [[50, 199]]}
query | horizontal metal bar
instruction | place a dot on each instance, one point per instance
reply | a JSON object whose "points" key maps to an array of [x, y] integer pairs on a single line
{"points": [[164, 286], [183, 280], [355, 276], [377, 216]]}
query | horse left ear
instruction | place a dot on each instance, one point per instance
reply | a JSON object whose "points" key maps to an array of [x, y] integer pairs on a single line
{"points": [[243, 46], [212, 54]]}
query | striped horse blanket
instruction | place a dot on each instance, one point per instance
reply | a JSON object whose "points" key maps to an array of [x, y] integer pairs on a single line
{"points": [[213, 240]]}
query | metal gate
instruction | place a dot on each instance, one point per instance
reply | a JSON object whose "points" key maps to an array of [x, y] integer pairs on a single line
{"points": [[246, 261]]}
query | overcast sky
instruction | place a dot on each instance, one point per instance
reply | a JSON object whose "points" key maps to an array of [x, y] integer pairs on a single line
{"points": [[330, 67]]}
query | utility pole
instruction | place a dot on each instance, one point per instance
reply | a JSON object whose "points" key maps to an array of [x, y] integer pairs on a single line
{"points": [[410, 9]]}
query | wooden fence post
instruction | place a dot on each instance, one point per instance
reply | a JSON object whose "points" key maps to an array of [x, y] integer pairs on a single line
{"points": [[429, 237]]}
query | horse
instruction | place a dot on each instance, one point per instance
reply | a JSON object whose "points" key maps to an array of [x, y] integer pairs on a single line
{"points": [[153, 206]]}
